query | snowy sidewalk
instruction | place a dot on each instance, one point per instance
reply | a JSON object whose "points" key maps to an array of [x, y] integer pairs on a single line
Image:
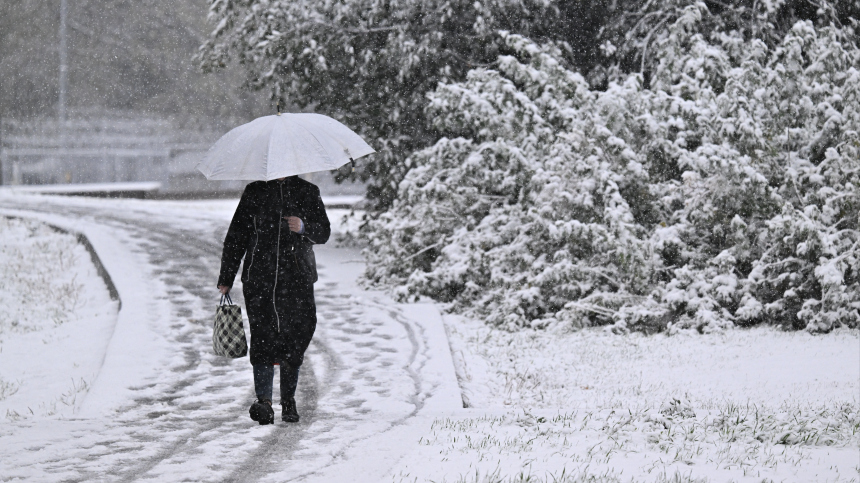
{"points": [[164, 407]]}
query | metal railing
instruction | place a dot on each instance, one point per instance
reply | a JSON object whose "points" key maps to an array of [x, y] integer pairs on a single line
{"points": [[104, 148]]}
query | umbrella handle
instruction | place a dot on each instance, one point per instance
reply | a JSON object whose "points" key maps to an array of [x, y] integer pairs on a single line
{"points": [[352, 161]]}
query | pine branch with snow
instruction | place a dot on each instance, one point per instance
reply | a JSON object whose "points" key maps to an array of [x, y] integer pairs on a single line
{"points": [[724, 194]]}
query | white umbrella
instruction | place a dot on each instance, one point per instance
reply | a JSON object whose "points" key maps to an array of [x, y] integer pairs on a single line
{"points": [[282, 145]]}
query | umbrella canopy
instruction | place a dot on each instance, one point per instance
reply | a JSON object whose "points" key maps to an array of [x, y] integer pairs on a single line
{"points": [[282, 145]]}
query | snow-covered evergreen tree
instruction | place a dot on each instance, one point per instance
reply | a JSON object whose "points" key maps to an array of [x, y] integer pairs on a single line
{"points": [[635, 27], [368, 63], [726, 193]]}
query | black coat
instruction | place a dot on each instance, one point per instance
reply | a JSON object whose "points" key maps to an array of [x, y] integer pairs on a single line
{"points": [[280, 267]]}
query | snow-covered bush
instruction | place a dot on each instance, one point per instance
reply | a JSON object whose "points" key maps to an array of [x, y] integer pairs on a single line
{"points": [[367, 63], [726, 193], [629, 35]]}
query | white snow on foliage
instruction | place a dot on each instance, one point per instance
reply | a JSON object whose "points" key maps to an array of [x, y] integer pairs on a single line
{"points": [[726, 193]]}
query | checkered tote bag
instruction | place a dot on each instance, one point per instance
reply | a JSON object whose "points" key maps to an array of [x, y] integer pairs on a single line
{"points": [[228, 338]]}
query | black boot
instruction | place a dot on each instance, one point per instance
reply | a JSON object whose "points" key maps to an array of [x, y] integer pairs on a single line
{"points": [[288, 411], [262, 412]]}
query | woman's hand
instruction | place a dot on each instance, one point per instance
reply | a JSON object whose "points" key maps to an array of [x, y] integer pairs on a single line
{"points": [[295, 223], [224, 289]]}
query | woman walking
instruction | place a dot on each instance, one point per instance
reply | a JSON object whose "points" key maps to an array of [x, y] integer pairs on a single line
{"points": [[274, 229]]}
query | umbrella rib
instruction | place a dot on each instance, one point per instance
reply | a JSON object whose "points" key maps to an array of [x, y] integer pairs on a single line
{"points": [[315, 139], [268, 151]]}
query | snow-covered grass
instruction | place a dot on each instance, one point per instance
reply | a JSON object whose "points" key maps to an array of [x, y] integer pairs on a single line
{"points": [[41, 290], [55, 320], [595, 369], [732, 443], [739, 405]]}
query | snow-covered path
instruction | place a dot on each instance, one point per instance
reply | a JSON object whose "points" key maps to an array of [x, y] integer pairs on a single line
{"points": [[164, 407]]}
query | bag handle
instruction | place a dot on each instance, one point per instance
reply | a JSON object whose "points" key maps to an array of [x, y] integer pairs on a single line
{"points": [[227, 296]]}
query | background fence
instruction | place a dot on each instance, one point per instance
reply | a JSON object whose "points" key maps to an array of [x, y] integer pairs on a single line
{"points": [[108, 148]]}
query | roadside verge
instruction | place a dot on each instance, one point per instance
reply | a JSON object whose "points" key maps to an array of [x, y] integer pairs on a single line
{"points": [[134, 348]]}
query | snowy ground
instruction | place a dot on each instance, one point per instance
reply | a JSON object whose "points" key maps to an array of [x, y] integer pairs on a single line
{"points": [[56, 321], [164, 407], [745, 405], [379, 396]]}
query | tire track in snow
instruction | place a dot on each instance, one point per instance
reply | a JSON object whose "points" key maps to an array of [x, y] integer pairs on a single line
{"points": [[362, 377], [285, 439], [337, 316], [195, 279], [412, 346]]}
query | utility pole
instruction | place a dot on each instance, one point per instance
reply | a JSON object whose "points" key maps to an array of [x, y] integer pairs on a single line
{"points": [[64, 66], [1, 147], [64, 81]]}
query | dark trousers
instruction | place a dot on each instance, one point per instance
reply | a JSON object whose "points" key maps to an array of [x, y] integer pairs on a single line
{"points": [[264, 376]]}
